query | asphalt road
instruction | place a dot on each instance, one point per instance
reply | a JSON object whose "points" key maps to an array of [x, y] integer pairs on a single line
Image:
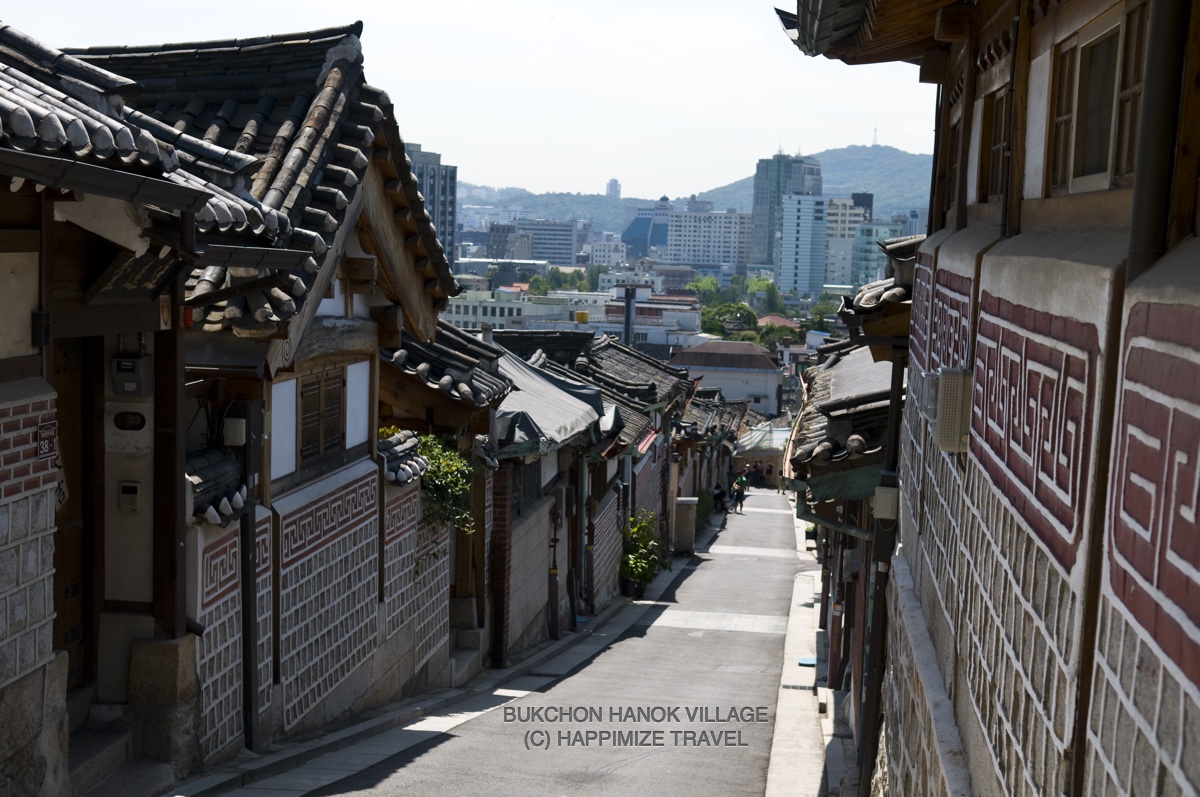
{"points": [[678, 697]]}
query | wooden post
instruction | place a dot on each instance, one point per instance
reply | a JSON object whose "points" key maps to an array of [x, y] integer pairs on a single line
{"points": [[169, 530]]}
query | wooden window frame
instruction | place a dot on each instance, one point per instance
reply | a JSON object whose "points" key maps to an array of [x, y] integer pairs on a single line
{"points": [[994, 128], [329, 446], [1127, 22]]}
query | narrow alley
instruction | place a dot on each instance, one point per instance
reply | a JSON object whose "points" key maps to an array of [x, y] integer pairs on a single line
{"points": [[674, 694]]}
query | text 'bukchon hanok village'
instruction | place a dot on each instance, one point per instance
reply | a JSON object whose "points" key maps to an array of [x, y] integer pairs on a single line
{"points": [[256, 477]]}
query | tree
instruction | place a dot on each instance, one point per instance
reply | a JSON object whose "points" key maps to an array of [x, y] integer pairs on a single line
{"points": [[714, 318], [707, 289], [773, 302], [770, 336], [538, 285], [593, 277]]}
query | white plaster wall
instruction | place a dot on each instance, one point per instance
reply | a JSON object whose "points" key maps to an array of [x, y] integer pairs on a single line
{"points": [[283, 428], [335, 306], [19, 276], [358, 403], [528, 585], [737, 385], [1037, 126], [128, 536], [361, 305]]}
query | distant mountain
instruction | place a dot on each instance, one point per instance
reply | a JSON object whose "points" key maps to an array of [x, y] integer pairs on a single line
{"points": [[899, 180]]}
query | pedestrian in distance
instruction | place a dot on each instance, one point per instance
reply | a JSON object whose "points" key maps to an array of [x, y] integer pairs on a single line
{"points": [[739, 490], [719, 499]]}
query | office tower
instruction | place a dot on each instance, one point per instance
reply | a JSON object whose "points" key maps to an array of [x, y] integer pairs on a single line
{"points": [[802, 249], [775, 178], [613, 191], [438, 183]]}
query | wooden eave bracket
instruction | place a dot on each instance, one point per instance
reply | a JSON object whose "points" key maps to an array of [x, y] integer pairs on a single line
{"points": [[953, 23]]}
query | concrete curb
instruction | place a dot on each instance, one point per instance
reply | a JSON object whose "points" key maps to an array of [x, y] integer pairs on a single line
{"points": [[247, 771]]}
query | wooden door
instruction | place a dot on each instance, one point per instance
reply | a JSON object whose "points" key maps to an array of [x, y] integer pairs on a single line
{"points": [[71, 628]]}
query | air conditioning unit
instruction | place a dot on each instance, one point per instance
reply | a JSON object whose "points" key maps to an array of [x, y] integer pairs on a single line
{"points": [[952, 420]]}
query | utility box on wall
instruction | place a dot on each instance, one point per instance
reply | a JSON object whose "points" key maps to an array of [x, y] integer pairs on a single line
{"points": [[132, 375]]}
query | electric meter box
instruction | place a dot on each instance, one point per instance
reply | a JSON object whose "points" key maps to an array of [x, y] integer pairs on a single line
{"points": [[132, 375]]}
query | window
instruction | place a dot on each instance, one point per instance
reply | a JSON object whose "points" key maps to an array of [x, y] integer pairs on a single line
{"points": [[321, 421], [995, 143], [1097, 102]]}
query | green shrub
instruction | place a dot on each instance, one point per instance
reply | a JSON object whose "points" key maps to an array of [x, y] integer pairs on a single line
{"points": [[643, 552]]}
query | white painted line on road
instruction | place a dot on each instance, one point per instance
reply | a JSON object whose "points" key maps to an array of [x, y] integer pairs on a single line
{"points": [[746, 550], [769, 511], [716, 621]]}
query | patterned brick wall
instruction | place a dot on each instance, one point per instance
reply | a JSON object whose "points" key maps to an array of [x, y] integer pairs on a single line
{"points": [[1144, 719], [606, 555], [219, 650], [328, 586], [27, 483], [399, 553]]}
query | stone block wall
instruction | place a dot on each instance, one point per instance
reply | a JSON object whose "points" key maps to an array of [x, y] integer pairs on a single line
{"points": [[266, 611], [606, 555], [528, 590], [916, 703], [219, 649], [431, 591], [27, 483], [329, 585], [400, 517], [648, 484]]}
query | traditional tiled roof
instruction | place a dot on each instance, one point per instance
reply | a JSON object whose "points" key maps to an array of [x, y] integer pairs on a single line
{"points": [[297, 110], [611, 362], [846, 416], [456, 363], [218, 488], [402, 462]]}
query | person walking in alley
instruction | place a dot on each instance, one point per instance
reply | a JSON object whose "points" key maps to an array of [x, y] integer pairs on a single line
{"points": [[739, 490]]}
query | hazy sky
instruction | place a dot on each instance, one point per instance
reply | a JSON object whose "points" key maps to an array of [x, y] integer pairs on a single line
{"points": [[668, 96]]}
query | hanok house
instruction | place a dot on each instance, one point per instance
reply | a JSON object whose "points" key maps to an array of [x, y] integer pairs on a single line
{"points": [[91, 373], [643, 474], [292, 517], [451, 387], [1042, 610], [742, 370]]}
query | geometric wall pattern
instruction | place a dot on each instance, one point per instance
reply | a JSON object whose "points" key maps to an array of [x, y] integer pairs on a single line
{"points": [[219, 648], [399, 547], [328, 591]]}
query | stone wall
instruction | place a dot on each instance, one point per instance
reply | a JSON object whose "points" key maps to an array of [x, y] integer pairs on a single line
{"points": [[27, 483], [606, 555], [329, 585], [648, 483], [528, 590], [219, 649], [1144, 720], [400, 517], [33, 678], [921, 745]]}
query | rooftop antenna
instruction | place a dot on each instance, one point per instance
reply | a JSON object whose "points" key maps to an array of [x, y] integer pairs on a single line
{"points": [[875, 137]]}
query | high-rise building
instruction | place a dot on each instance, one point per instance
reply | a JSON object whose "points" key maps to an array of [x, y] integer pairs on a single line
{"points": [[701, 237], [802, 245], [775, 178], [554, 241], [868, 260], [613, 190], [866, 201], [438, 183], [647, 228]]}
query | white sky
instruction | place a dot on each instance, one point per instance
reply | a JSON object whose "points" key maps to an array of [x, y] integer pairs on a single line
{"points": [[669, 96]]}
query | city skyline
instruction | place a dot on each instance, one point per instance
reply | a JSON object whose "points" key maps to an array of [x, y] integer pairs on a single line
{"points": [[695, 108]]}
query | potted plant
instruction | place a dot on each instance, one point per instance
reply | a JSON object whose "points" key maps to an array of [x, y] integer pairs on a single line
{"points": [[641, 557]]}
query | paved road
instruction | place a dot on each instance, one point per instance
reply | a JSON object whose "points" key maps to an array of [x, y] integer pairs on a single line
{"points": [[673, 696]]}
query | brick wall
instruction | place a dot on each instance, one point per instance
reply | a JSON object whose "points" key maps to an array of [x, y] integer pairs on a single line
{"points": [[606, 555], [328, 590], [27, 483], [219, 649], [1144, 719], [917, 705], [399, 553]]}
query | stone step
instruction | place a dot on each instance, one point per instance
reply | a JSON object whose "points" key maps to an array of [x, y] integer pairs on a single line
{"points": [[464, 665], [135, 779], [468, 638], [79, 704], [96, 753]]}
